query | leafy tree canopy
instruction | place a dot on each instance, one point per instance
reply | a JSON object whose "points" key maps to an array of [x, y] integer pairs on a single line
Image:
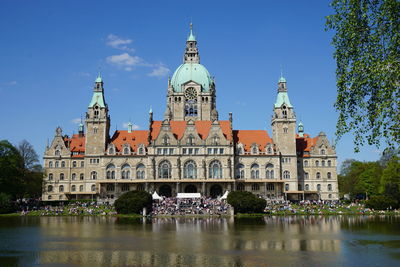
{"points": [[367, 54]]}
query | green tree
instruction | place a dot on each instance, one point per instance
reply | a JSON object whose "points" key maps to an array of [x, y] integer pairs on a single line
{"points": [[11, 169], [391, 175], [133, 202], [367, 54], [246, 202]]}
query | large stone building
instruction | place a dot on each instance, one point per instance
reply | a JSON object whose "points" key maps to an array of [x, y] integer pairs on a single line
{"points": [[190, 150]]}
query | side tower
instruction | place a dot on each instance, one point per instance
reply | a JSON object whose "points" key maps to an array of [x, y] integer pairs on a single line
{"points": [[97, 121], [284, 136], [191, 91]]}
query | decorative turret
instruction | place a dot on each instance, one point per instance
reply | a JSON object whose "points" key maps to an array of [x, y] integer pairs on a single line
{"points": [[81, 129], [130, 127], [191, 51], [301, 129]]}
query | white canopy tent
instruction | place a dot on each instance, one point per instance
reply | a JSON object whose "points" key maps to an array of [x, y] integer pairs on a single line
{"points": [[225, 196], [188, 195], [156, 196]]}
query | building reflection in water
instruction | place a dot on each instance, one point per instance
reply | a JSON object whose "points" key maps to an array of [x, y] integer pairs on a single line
{"points": [[108, 241]]}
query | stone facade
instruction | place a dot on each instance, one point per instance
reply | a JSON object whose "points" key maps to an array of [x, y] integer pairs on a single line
{"points": [[190, 150]]}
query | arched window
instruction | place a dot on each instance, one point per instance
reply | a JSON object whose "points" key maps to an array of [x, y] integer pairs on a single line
{"points": [[255, 187], [330, 196], [329, 187], [317, 163], [62, 164], [49, 188], [126, 151], [50, 164], [57, 153], [306, 163], [81, 176], [82, 164], [215, 170], [318, 187], [190, 140], [255, 173], [93, 187], [307, 187], [240, 171], [74, 164], [318, 175], [269, 172], [50, 176], [269, 150], [254, 149], [73, 176], [329, 163], [126, 171], [73, 188], [329, 175], [191, 106], [239, 150], [240, 187], [299, 187], [110, 171], [111, 151], [270, 187], [93, 175], [306, 176], [110, 188], [166, 140], [141, 151], [286, 175], [323, 152], [284, 113], [81, 188], [140, 171], [61, 188], [57, 164], [323, 163], [61, 176], [190, 169], [164, 169], [286, 187], [50, 197]]}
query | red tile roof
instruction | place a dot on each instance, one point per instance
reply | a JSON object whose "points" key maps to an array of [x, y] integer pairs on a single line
{"points": [[304, 144], [249, 137], [203, 128], [133, 138], [77, 143]]}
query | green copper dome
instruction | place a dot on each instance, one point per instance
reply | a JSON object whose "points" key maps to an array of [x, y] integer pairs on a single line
{"points": [[191, 72]]}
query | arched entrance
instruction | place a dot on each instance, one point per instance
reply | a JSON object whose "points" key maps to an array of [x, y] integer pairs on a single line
{"points": [[165, 190], [215, 191], [191, 188]]}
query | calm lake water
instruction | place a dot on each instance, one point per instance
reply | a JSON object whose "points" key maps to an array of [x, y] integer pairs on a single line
{"points": [[268, 241]]}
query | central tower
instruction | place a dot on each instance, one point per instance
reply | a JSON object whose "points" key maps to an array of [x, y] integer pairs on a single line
{"points": [[191, 91]]}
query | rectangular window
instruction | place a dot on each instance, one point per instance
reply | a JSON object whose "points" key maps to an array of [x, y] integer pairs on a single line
{"points": [[209, 151], [215, 151], [165, 151], [196, 151], [171, 151], [221, 151], [159, 151], [190, 151], [184, 151]]}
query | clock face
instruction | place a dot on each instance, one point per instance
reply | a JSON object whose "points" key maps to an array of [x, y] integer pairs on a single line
{"points": [[190, 93]]}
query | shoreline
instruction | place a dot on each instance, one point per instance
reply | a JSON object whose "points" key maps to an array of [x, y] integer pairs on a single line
{"points": [[240, 215]]}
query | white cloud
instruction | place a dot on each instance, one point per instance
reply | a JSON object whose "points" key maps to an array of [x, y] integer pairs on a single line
{"points": [[76, 121], [134, 126], [125, 61], [118, 43], [160, 71], [84, 74]]}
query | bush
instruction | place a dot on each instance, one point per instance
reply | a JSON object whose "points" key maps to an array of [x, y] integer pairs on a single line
{"points": [[246, 202], [381, 203], [133, 202], [6, 205]]}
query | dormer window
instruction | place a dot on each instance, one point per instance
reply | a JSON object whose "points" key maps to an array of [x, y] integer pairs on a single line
{"points": [[215, 140], [323, 152], [126, 151], [57, 153], [111, 151], [190, 140], [254, 149], [141, 151]]}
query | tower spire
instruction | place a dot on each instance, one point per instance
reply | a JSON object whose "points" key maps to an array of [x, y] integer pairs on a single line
{"points": [[191, 51]]}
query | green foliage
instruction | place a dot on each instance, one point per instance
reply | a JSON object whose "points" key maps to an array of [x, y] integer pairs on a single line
{"points": [[133, 202], [19, 175], [246, 202], [367, 41], [380, 202], [5, 204]]}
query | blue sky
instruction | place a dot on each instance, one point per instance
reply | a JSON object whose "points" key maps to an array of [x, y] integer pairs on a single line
{"points": [[51, 52]]}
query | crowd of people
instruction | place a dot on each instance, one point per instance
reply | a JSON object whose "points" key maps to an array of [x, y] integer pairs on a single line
{"points": [[190, 206], [318, 207], [75, 208]]}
